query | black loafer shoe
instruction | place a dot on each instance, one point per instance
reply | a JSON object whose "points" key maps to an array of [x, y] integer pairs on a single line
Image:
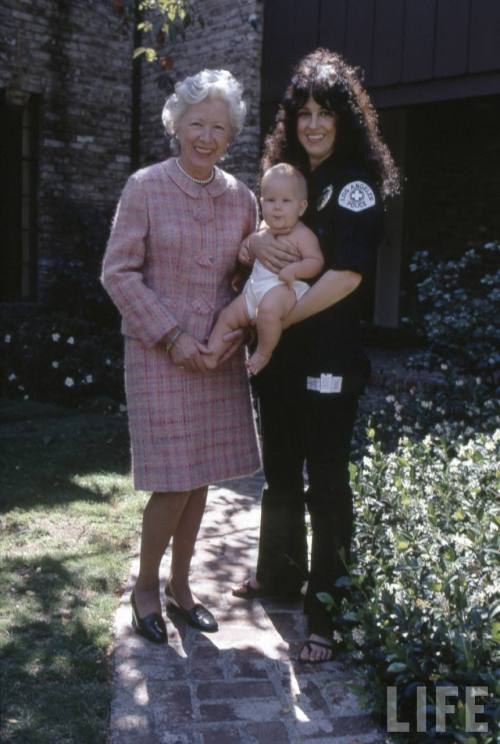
{"points": [[152, 627], [197, 617]]}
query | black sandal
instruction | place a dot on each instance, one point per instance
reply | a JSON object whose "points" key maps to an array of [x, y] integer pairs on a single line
{"points": [[308, 644]]}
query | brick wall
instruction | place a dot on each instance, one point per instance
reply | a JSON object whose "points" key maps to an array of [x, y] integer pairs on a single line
{"points": [[71, 56], [228, 41]]}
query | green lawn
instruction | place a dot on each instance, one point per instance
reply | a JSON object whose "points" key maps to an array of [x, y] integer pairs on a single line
{"points": [[69, 522]]}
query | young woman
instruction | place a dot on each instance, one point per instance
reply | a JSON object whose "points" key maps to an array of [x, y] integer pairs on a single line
{"points": [[308, 394]]}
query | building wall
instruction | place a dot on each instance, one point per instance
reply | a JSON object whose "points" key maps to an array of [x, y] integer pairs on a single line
{"points": [[453, 188], [228, 41], [72, 56]]}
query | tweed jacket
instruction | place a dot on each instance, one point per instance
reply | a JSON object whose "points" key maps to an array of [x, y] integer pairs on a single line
{"points": [[169, 261], [171, 253]]}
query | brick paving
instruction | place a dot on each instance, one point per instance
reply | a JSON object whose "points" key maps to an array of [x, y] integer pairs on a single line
{"points": [[242, 683]]}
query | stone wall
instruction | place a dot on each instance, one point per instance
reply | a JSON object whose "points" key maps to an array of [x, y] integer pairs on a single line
{"points": [[228, 41], [72, 56]]}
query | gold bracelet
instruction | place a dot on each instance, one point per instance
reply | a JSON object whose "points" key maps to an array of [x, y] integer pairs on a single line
{"points": [[171, 341]]}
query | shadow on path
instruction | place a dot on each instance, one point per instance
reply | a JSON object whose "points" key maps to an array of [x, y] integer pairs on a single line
{"points": [[241, 684]]}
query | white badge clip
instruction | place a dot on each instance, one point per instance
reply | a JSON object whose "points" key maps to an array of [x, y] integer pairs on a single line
{"points": [[329, 383]]}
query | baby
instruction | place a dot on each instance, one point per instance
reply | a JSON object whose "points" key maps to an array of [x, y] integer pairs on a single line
{"points": [[267, 298]]}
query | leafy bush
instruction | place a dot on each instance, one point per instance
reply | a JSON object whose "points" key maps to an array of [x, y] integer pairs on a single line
{"points": [[448, 407], [451, 387], [422, 590], [422, 606], [459, 311], [65, 360], [71, 349]]}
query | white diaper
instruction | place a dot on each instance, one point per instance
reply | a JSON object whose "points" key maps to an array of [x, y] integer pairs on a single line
{"points": [[260, 282]]}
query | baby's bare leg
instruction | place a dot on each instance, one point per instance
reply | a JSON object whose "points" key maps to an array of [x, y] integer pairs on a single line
{"points": [[273, 308], [232, 317]]}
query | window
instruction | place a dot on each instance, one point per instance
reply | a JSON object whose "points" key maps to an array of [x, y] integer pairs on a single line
{"points": [[18, 174]]}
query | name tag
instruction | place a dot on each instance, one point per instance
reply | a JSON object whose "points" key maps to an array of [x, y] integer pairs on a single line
{"points": [[326, 383]]}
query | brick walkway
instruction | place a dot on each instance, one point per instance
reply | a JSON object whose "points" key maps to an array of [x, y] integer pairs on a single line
{"points": [[240, 684]]}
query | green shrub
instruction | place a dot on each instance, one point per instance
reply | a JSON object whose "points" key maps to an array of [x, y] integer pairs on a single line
{"points": [[423, 605], [64, 360], [458, 311], [69, 350]]}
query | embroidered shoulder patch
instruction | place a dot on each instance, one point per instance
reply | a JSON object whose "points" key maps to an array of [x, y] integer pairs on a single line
{"points": [[356, 196], [325, 197]]}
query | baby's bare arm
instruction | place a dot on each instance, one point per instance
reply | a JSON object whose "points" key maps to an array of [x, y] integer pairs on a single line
{"points": [[311, 261]]}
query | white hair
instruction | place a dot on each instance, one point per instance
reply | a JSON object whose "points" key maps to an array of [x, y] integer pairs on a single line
{"points": [[207, 83]]}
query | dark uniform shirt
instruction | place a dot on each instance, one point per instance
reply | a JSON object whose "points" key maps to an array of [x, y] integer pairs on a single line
{"points": [[346, 214]]}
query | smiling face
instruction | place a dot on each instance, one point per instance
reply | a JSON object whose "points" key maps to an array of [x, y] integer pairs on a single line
{"points": [[316, 131], [283, 200], [204, 132]]}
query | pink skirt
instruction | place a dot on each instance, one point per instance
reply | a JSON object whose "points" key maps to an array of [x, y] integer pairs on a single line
{"points": [[187, 429]]}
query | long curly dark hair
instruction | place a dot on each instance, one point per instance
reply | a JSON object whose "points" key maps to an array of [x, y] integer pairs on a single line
{"points": [[335, 85]]}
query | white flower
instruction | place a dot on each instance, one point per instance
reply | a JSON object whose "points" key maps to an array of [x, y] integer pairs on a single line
{"points": [[107, 362], [69, 382], [89, 379], [56, 337], [71, 341], [12, 377], [55, 365], [390, 398], [26, 397], [122, 408], [444, 367], [8, 338]]}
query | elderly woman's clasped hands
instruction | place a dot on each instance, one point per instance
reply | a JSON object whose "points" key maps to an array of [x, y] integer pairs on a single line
{"points": [[187, 353]]}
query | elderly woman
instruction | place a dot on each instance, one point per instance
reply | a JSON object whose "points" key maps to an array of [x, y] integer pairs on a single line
{"points": [[308, 394], [168, 267]]}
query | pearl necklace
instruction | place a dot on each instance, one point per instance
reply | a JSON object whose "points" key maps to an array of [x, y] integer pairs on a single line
{"points": [[200, 181]]}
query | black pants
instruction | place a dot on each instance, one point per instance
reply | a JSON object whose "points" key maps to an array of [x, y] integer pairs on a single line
{"points": [[300, 425]]}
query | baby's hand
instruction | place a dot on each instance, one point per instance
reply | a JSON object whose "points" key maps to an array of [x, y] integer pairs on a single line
{"points": [[287, 274]]}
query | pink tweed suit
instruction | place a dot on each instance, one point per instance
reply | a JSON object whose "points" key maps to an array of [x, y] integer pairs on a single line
{"points": [[169, 261]]}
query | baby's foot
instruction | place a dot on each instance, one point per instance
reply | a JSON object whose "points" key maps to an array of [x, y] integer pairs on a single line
{"points": [[257, 361]]}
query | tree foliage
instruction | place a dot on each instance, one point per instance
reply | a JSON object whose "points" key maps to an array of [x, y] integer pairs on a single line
{"points": [[161, 23]]}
